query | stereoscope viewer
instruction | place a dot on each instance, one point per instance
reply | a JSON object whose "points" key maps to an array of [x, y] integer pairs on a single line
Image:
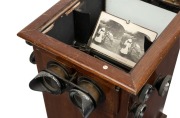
{"points": [[78, 82]]}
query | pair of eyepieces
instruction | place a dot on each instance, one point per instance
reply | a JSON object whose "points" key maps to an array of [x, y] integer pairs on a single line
{"points": [[56, 79]]}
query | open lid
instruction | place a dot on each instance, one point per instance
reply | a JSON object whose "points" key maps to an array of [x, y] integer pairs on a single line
{"points": [[131, 82]]}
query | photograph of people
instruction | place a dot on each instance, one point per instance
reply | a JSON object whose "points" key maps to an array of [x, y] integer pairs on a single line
{"points": [[127, 45], [121, 41], [100, 35]]}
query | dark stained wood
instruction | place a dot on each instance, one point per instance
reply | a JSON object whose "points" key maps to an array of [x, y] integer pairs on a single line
{"points": [[55, 104], [131, 82], [124, 103], [159, 59], [155, 104], [78, 59], [117, 104], [157, 52]]}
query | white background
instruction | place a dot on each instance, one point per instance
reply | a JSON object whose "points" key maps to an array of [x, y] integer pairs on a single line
{"points": [[16, 99]]}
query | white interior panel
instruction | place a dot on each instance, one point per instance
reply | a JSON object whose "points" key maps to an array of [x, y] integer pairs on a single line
{"points": [[141, 13]]}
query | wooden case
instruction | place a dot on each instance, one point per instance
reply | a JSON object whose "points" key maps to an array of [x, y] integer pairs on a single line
{"points": [[121, 88]]}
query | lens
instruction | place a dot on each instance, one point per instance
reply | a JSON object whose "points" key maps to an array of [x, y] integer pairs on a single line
{"points": [[47, 82], [51, 84], [139, 113], [77, 100], [83, 101], [92, 88]]}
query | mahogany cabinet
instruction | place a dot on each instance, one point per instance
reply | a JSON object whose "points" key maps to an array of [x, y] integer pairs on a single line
{"points": [[139, 92]]}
